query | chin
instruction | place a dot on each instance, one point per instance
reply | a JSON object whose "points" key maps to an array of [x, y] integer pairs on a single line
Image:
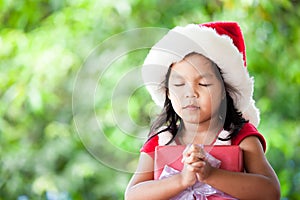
{"points": [[192, 120]]}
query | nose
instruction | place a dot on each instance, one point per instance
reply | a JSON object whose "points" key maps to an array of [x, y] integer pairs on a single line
{"points": [[191, 91]]}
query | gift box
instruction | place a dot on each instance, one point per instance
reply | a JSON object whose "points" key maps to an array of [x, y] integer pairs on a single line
{"points": [[169, 157], [231, 157]]}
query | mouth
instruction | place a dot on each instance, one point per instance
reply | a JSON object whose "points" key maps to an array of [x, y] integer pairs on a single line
{"points": [[191, 107]]}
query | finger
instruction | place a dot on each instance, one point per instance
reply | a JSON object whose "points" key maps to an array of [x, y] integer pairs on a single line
{"points": [[194, 151], [191, 168], [196, 167], [189, 160], [201, 149], [199, 164], [195, 148], [198, 155], [194, 157], [185, 152]]}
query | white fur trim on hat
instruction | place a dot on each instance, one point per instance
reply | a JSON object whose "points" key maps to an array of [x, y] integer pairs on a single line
{"points": [[179, 42]]}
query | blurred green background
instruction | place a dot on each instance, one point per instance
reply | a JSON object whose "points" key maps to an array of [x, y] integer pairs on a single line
{"points": [[43, 46]]}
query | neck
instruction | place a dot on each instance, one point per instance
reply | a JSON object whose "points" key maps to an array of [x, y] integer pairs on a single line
{"points": [[202, 133]]}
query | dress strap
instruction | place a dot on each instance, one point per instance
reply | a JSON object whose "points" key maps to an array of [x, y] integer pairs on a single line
{"points": [[222, 134]]}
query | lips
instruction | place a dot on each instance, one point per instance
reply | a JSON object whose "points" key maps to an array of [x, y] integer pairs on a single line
{"points": [[191, 107]]}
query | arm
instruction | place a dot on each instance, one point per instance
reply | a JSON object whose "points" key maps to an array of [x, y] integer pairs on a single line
{"points": [[259, 181], [142, 185]]}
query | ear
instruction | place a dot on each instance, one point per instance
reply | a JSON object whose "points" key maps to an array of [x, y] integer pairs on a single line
{"points": [[223, 95]]}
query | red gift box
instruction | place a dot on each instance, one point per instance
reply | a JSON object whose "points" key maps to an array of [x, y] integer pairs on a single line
{"points": [[231, 157]]}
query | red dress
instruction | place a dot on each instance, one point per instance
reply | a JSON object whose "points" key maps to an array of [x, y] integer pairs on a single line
{"points": [[247, 130]]}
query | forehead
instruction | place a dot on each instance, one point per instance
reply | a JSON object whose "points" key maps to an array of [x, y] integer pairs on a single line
{"points": [[193, 66]]}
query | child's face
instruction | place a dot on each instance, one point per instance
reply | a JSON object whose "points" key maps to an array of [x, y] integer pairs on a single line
{"points": [[195, 89]]}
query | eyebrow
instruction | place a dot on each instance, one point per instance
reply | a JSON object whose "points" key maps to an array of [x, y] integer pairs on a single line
{"points": [[204, 75]]}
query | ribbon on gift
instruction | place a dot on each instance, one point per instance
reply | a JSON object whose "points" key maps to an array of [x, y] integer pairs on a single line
{"points": [[198, 191]]}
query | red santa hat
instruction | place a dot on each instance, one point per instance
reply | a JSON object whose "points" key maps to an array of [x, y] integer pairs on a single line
{"points": [[221, 42]]}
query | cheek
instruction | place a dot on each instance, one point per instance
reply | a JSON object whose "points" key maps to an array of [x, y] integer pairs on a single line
{"points": [[175, 94], [176, 103], [215, 98]]}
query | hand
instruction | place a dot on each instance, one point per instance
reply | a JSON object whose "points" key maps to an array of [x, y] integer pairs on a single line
{"points": [[194, 159], [188, 175]]}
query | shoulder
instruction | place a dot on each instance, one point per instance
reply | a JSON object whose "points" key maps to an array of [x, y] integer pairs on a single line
{"points": [[157, 140], [150, 144], [249, 130]]}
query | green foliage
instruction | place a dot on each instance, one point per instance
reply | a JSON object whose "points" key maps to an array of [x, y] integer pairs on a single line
{"points": [[43, 46]]}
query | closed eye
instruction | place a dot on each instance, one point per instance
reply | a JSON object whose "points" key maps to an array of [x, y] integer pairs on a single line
{"points": [[178, 84], [204, 85]]}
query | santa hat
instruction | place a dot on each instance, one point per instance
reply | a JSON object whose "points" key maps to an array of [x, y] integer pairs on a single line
{"points": [[221, 42]]}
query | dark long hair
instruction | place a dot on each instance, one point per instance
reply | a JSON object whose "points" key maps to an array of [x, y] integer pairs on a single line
{"points": [[168, 120]]}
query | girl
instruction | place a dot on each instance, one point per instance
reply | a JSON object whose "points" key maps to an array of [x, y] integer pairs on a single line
{"points": [[198, 73]]}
